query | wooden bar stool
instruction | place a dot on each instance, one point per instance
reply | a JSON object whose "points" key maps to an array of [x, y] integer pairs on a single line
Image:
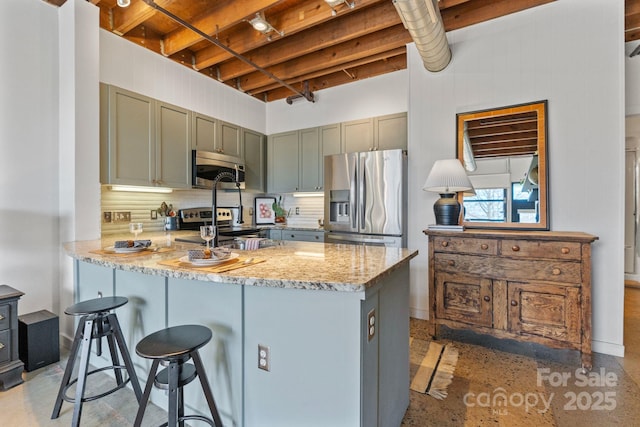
{"points": [[96, 322], [174, 347]]}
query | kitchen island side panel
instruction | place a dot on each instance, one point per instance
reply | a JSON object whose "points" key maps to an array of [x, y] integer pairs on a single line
{"points": [[217, 306], [314, 350]]}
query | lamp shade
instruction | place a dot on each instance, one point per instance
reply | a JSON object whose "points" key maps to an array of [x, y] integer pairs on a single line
{"points": [[446, 177]]}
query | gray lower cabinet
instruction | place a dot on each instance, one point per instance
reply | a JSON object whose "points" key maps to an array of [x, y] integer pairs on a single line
{"points": [[255, 158], [275, 234], [143, 141], [303, 235]]}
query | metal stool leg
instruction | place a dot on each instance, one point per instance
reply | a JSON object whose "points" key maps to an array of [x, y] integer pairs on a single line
{"points": [[82, 371], [126, 357], [197, 361], [147, 392], [174, 374], [77, 340]]}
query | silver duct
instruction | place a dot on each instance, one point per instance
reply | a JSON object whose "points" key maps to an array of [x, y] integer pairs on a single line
{"points": [[423, 21]]}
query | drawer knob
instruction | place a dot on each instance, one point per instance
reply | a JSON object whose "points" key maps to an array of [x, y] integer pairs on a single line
{"points": [[486, 298], [445, 244], [555, 271], [451, 262], [1, 317], [1, 346], [484, 246], [514, 302], [565, 250], [515, 248]]}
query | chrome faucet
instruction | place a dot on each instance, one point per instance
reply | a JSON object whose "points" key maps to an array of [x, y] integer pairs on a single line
{"points": [[214, 202]]}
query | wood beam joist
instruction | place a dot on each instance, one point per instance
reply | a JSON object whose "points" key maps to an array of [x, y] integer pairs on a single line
{"points": [[469, 13], [398, 62], [383, 57], [216, 19], [352, 50], [298, 18], [324, 36], [125, 19]]}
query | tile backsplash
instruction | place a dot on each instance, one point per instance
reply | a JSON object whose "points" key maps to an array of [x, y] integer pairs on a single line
{"points": [[116, 205]]}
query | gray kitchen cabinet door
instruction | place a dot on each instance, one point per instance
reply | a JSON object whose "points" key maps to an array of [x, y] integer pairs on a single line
{"points": [[310, 152], [357, 135], [255, 160], [229, 139], [128, 145], [282, 162], [204, 131], [390, 131], [330, 143], [173, 147]]}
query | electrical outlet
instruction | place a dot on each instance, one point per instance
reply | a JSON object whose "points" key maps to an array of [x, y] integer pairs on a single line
{"points": [[264, 360], [121, 216], [106, 217], [371, 324], [297, 210]]}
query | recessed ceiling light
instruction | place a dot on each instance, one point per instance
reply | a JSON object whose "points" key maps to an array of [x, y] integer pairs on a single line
{"points": [[259, 23], [124, 3]]}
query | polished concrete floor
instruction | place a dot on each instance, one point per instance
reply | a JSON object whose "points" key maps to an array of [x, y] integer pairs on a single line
{"points": [[496, 383]]}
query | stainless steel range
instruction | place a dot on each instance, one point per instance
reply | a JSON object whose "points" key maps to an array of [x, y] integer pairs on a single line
{"points": [[230, 224]]}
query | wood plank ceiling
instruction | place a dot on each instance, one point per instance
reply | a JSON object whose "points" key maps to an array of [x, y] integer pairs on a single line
{"points": [[312, 45]]}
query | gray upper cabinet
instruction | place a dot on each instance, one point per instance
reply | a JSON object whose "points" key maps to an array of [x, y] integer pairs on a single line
{"points": [[127, 137], [255, 160], [204, 131], [143, 141], [376, 133], [282, 162], [173, 146], [390, 131], [229, 139], [357, 135], [310, 151]]}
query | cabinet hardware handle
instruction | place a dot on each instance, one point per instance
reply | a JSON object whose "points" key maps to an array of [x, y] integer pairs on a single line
{"points": [[1, 317], [565, 250], [555, 271], [1, 346], [445, 244], [451, 262], [486, 298], [514, 302], [484, 246], [515, 248]]}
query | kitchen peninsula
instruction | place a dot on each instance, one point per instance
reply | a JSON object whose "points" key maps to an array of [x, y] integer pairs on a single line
{"points": [[333, 318]]}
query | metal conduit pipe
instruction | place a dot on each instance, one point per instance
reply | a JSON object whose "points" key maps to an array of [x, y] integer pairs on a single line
{"points": [[423, 21]]}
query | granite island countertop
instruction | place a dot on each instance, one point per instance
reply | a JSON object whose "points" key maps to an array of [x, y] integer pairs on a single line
{"points": [[296, 265]]}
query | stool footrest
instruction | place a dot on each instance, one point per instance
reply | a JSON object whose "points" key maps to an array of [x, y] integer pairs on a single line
{"points": [[97, 396]]}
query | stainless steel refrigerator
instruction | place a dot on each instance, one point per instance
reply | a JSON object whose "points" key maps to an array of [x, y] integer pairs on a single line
{"points": [[365, 196]]}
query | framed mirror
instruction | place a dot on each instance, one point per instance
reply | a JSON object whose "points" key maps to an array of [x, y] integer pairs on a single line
{"points": [[504, 152]]}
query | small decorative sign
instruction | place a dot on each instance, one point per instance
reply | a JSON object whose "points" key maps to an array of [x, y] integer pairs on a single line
{"points": [[264, 210]]}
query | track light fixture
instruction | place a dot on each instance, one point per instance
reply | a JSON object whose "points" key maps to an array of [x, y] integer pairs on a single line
{"points": [[334, 3], [124, 3], [259, 23]]}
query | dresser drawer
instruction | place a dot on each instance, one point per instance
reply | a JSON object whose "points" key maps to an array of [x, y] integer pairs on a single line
{"points": [[5, 317], [465, 245], [5, 346], [540, 249], [510, 269]]}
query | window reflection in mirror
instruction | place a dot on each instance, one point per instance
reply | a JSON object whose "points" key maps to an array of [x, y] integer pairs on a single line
{"points": [[504, 153]]}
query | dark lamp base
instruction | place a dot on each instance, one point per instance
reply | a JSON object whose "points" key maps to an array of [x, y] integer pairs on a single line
{"points": [[447, 210]]}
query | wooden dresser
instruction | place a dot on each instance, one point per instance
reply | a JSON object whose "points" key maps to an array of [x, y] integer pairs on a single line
{"points": [[529, 286], [11, 366]]}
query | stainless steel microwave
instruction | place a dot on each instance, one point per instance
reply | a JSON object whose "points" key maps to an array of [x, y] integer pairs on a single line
{"points": [[208, 166]]}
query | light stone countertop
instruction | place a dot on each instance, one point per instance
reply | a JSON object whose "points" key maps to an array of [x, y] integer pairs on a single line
{"points": [[296, 265]]}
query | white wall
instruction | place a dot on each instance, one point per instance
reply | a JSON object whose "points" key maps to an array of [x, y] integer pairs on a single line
{"points": [[377, 96], [568, 52], [140, 70], [29, 243]]}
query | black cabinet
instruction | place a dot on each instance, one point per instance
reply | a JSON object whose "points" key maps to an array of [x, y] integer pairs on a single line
{"points": [[11, 366]]}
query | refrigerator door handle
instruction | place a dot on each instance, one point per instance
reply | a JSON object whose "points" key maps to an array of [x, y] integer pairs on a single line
{"points": [[363, 192], [353, 196]]}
